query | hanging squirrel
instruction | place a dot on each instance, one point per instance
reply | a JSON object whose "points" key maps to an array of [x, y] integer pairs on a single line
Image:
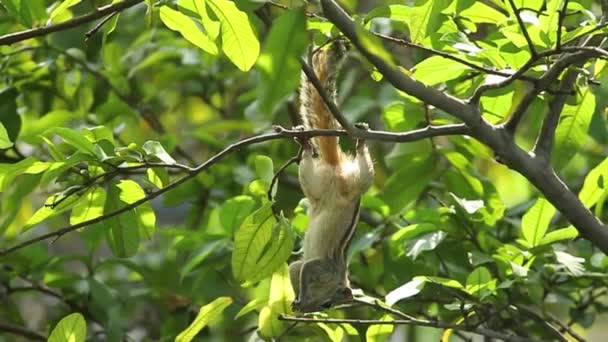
{"points": [[333, 182]]}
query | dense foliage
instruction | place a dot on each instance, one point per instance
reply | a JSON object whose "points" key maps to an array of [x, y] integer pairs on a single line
{"points": [[127, 214]]}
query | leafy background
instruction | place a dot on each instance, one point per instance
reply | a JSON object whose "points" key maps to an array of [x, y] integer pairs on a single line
{"points": [[99, 119]]}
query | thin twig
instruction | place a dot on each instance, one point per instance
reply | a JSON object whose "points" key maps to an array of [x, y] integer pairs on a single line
{"points": [[560, 22], [414, 135], [21, 331], [415, 322], [99, 13], [99, 25], [522, 25]]}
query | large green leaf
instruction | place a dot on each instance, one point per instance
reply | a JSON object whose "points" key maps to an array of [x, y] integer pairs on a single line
{"points": [[90, 206], [535, 222], [436, 69], [74, 138], [261, 245], [206, 314], [199, 8], [131, 192], [71, 328], [239, 41], [280, 58], [595, 185], [185, 25], [122, 231]]}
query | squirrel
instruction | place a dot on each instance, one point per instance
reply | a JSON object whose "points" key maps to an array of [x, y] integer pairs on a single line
{"points": [[333, 182]]}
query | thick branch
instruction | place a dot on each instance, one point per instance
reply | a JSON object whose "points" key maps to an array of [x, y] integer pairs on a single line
{"points": [[99, 13], [497, 138], [423, 133], [447, 103], [416, 322], [544, 142], [21, 331], [549, 77]]}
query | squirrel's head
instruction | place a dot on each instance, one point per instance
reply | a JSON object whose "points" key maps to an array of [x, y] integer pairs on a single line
{"points": [[321, 288]]}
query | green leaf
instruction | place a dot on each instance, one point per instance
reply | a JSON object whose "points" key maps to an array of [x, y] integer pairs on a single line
{"points": [[442, 281], [281, 291], [59, 10], [234, 211], [571, 132], [73, 138], [480, 282], [402, 116], [154, 148], [255, 304], [239, 42], [187, 27], [131, 192], [436, 69], [264, 168], [380, 332], [50, 209], [199, 8], [206, 314], [71, 328], [399, 193], [158, 176], [200, 255], [279, 62], [567, 233], [535, 222], [596, 183], [122, 231], [98, 133], [482, 13], [261, 245], [5, 141], [90, 206]]}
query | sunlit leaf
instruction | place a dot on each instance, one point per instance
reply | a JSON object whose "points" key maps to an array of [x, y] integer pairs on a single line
{"points": [[206, 314], [261, 245], [71, 328], [535, 221], [185, 25], [239, 41]]}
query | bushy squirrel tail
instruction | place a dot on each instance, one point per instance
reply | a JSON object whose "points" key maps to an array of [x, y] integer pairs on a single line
{"points": [[315, 114]]}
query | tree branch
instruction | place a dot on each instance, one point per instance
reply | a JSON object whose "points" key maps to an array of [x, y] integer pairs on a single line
{"points": [[447, 103], [414, 135], [496, 137], [99, 13], [522, 25], [544, 143], [415, 322], [21, 331], [549, 77]]}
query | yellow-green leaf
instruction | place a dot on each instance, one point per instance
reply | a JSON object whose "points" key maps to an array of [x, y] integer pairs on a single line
{"points": [[5, 141], [71, 328], [185, 25], [535, 222], [90, 206], [206, 314], [239, 42]]}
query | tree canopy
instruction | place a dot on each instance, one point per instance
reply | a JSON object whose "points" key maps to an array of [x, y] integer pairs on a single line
{"points": [[149, 189]]}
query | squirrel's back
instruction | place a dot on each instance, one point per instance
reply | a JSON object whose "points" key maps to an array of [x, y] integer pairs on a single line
{"points": [[315, 114]]}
